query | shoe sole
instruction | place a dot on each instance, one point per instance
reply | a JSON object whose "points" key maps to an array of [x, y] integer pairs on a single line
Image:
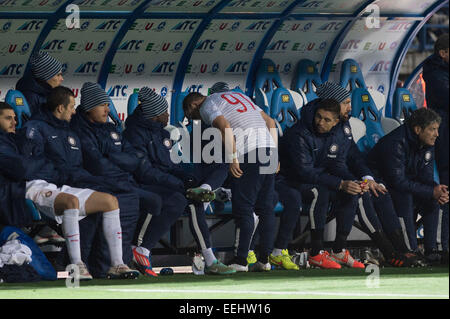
{"points": [[313, 265], [280, 266], [143, 270], [128, 275], [85, 278], [204, 196], [244, 270], [220, 273]]}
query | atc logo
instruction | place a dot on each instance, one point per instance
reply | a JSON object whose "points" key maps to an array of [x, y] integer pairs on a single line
{"points": [[259, 26], [401, 26], [351, 45], [34, 25], [381, 67], [12, 70], [239, 67], [164, 68], [279, 45], [313, 4], [331, 27], [110, 25], [117, 91], [207, 45], [87, 68], [131, 45], [54, 45], [185, 26]]}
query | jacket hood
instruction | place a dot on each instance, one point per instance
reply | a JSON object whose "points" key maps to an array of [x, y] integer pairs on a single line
{"points": [[28, 83], [81, 121], [435, 62], [137, 119], [48, 117], [307, 114]]}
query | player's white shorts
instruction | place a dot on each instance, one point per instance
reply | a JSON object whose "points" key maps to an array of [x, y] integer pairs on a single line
{"points": [[43, 195]]}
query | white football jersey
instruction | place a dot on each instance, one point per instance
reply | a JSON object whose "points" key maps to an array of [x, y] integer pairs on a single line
{"points": [[246, 121]]}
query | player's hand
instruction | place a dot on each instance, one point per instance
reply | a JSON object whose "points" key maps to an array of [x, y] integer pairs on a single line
{"points": [[439, 190], [376, 188], [444, 198], [278, 168], [235, 169], [351, 187]]}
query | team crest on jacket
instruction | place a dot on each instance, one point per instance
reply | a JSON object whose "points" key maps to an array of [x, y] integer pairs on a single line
{"points": [[71, 141], [427, 156], [167, 143], [334, 148], [347, 130], [114, 136]]}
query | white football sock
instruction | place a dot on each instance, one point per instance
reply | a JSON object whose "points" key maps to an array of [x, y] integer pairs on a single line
{"points": [[206, 186], [209, 256], [71, 232], [113, 234], [277, 252]]}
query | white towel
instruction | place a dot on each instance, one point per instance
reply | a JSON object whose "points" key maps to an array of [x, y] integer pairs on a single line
{"points": [[14, 253]]}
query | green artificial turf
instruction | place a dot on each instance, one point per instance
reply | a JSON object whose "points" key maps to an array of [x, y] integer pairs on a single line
{"points": [[396, 283]]}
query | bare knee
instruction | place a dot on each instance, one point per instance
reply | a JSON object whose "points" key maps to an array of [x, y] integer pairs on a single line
{"points": [[110, 203], [64, 202]]}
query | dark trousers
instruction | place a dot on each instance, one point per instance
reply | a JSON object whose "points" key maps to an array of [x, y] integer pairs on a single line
{"points": [[253, 192], [404, 204], [291, 199], [385, 209], [444, 227], [212, 174], [152, 228], [344, 207], [319, 197]]}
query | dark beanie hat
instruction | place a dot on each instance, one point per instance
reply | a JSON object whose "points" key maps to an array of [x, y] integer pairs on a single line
{"points": [[330, 90], [152, 104], [219, 87], [92, 95], [44, 66]]}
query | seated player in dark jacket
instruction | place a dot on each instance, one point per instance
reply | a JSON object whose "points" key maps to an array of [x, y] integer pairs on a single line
{"points": [[106, 153], [46, 73], [145, 131], [315, 158], [67, 205], [48, 135], [384, 227], [403, 159]]}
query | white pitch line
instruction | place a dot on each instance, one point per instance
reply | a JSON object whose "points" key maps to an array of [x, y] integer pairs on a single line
{"points": [[298, 293]]}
